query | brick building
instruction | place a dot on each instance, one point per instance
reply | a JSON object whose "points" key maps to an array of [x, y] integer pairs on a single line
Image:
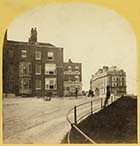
{"points": [[113, 77], [72, 78], [32, 68]]}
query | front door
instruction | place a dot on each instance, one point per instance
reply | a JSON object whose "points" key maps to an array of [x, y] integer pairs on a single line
{"points": [[25, 86]]}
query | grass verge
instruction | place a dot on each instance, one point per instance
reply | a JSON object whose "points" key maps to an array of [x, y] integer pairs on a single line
{"points": [[115, 124]]}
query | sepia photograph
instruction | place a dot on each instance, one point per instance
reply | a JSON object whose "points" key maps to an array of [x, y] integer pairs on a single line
{"points": [[69, 75]]}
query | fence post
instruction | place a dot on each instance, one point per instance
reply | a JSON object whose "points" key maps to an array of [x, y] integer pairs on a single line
{"points": [[101, 103], [91, 108], [111, 99], [75, 115]]}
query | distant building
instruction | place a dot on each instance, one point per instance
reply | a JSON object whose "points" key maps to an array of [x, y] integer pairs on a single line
{"points": [[72, 78], [113, 77], [32, 68]]}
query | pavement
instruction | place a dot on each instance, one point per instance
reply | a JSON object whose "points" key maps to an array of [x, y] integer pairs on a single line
{"points": [[35, 121]]}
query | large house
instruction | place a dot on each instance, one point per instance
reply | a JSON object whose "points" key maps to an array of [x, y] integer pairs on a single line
{"points": [[113, 77], [33, 68]]}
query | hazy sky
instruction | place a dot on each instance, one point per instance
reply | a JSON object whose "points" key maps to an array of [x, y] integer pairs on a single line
{"points": [[90, 34]]}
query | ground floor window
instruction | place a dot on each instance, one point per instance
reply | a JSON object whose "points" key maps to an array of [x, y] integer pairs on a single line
{"points": [[50, 84], [25, 84], [38, 84], [67, 88], [72, 88]]}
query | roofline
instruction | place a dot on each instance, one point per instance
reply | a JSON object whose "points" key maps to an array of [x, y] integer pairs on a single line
{"points": [[39, 44], [72, 63]]}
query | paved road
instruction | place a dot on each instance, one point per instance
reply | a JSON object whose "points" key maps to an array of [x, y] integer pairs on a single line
{"points": [[32, 120]]}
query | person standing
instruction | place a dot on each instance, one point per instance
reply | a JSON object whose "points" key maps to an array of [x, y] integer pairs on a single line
{"points": [[107, 96], [76, 92], [90, 93]]}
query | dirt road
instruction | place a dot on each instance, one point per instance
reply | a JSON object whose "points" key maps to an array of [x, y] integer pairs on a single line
{"points": [[32, 120]]}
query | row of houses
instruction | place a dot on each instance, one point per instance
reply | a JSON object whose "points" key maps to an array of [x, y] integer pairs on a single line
{"points": [[33, 69]]}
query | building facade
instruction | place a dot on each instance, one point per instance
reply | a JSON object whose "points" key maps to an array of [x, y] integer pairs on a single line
{"points": [[32, 68], [113, 77], [72, 78]]}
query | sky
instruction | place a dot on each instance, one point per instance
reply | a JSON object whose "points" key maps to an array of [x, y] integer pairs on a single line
{"points": [[90, 34]]}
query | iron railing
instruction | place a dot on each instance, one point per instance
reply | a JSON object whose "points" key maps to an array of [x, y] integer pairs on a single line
{"points": [[82, 111]]}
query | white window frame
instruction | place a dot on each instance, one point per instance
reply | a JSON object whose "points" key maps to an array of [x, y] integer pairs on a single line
{"points": [[69, 68], [77, 69], [47, 71], [37, 56], [48, 83], [23, 53], [77, 78], [50, 55]]}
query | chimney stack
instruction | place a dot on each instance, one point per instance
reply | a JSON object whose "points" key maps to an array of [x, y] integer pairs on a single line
{"points": [[33, 36]]}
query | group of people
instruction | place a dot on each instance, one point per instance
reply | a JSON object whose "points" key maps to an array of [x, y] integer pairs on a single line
{"points": [[108, 93], [90, 93]]}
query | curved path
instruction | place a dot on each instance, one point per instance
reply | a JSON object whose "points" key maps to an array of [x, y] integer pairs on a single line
{"points": [[32, 120]]}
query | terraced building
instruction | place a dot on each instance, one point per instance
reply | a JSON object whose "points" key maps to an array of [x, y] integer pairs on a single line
{"points": [[113, 77]]}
